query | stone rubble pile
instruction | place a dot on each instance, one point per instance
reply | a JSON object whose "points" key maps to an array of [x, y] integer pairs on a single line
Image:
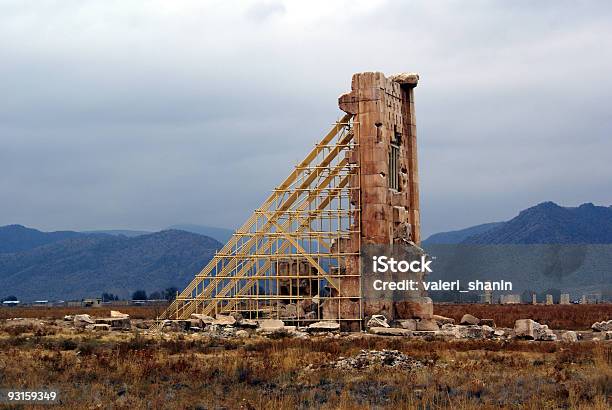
{"points": [[376, 358]]}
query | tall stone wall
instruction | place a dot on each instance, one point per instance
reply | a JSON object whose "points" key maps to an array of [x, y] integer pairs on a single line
{"points": [[385, 125], [384, 113]]}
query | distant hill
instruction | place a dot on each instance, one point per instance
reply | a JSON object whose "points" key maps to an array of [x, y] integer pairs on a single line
{"points": [[125, 232], [17, 238], [544, 247], [220, 234], [545, 223], [549, 223], [86, 265], [460, 235]]}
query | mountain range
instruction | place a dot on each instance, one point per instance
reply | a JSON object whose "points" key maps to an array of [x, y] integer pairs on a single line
{"points": [[545, 223], [544, 247], [72, 265]]}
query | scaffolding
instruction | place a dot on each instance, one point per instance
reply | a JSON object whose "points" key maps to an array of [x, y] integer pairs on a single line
{"points": [[291, 258]]}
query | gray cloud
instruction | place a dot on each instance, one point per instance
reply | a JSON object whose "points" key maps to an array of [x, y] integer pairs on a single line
{"points": [[117, 115]]}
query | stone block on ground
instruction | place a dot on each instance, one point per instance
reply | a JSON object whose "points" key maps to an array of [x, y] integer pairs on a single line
{"points": [[468, 319], [569, 336], [532, 330], [324, 326], [389, 331], [271, 325], [224, 320], [116, 313]]}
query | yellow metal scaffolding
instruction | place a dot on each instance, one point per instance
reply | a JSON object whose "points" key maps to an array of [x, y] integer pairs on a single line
{"points": [[282, 263]]}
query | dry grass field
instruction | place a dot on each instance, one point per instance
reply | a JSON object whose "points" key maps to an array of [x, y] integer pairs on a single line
{"points": [[568, 317], [130, 370], [137, 370]]}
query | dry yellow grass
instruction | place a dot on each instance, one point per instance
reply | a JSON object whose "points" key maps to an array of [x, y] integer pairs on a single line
{"points": [[131, 370]]}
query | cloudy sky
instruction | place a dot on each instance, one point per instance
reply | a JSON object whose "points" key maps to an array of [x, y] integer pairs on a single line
{"points": [[142, 114]]}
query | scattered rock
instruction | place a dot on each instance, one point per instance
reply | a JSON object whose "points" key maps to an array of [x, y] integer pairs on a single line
{"points": [[204, 320], [377, 321], [176, 325], [248, 323], [427, 325], [377, 358], [389, 331], [68, 318], [324, 327], [569, 337], [116, 313], [223, 320], [608, 335], [119, 323], [603, 326], [487, 322], [243, 334], [487, 331], [468, 319]]}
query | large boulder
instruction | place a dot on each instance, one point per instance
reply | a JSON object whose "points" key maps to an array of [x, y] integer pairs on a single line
{"points": [[603, 326], [532, 330], [468, 319], [569, 337], [271, 325]]}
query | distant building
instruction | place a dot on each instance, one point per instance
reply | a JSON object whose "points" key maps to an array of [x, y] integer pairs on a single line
{"points": [[510, 299], [40, 303], [95, 302], [10, 303]]}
